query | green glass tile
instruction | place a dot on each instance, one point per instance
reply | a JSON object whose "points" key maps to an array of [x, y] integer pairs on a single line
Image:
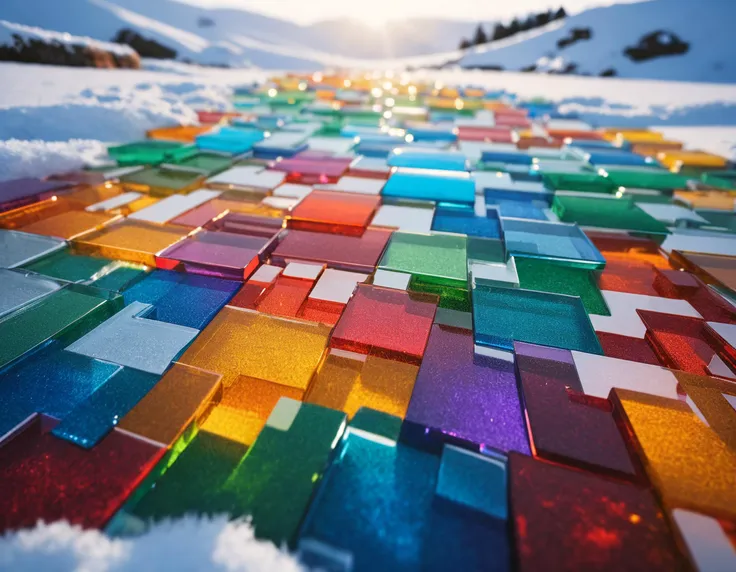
{"points": [[581, 182], [502, 316], [208, 163], [67, 266], [193, 484], [657, 179], [287, 98], [434, 258], [377, 423], [543, 276], [720, 179], [450, 298], [605, 212], [164, 181], [150, 152], [121, 276], [276, 479], [66, 314]]}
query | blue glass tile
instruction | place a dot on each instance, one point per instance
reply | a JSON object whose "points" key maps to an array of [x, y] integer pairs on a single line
{"points": [[50, 381], [618, 157], [428, 159], [230, 140], [466, 222], [430, 185], [473, 480], [97, 415], [430, 133], [510, 157], [588, 145], [183, 299], [517, 209], [502, 316], [561, 242]]}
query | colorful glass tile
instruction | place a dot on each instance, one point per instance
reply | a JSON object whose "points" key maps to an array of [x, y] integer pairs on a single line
{"points": [[605, 212], [21, 248], [431, 185], [339, 213]]}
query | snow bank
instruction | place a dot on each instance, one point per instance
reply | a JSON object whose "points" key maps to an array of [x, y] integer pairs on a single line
{"points": [[186, 544], [8, 30], [41, 158]]}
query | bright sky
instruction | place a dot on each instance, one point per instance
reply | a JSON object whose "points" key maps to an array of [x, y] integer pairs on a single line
{"points": [[376, 12]]}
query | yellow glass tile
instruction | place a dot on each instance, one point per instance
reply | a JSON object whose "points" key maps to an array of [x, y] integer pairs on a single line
{"points": [[718, 200], [26, 215], [651, 149], [257, 396], [708, 395], [234, 424], [241, 342], [632, 135], [449, 92], [348, 384], [676, 160], [474, 92], [70, 224], [89, 195], [129, 240], [184, 133], [685, 459], [182, 396]]}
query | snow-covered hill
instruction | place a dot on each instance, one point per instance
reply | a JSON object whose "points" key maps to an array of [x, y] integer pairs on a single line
{"points": [[705, 25], [236, 37]]}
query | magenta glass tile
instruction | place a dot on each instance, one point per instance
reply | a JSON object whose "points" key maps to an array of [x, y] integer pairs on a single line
{"points": [[464, 398]]}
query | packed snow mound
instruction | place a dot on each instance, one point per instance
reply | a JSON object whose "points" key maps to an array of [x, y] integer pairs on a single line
{"points": [[8, 30], [19, 159], [187, 544], [658, 39]]}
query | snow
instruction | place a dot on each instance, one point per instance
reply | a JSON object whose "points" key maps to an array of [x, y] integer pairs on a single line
{"points": [[187, 544], [705, 24], [8, 30], [38, 158]]}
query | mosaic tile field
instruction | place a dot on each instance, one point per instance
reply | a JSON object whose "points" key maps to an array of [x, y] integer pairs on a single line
{"points": [[400, 326]]}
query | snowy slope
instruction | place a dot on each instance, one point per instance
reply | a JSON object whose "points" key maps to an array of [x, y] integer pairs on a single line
{"points": [[707, 25], [236, 37]]}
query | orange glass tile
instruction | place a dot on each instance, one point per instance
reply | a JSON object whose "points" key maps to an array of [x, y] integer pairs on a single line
{"points": [[234, 424], [717, 200], [37, 212], [676, 160], [70, 224], [627, 248], [241, 342], [348, 384], [686, 461], [182, 396], [651, 149], [285, 297], [334, 212], [257, 396], [215, 208], [321, 311], [710, 268], [184, 133], [709, 396], [130, 240], [632, 135], [91, 194]]}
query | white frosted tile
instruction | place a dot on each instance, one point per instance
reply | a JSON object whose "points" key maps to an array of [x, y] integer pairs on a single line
{"points": [[173, 206], [18, 248], [283, 414], [303, 270], [409, 219], [292, 190], [266, 274], [332, 144], [708, 544], [599, 374], [726, 331], [625, 321], [702, 244], [671, 214], [336, 285], [115, 202], [360, 185], [500, 273], [247, 177], [18, 288], [390, 279]]}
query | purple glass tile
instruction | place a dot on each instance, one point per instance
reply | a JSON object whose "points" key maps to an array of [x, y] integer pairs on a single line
{"points": [[19, 192], [464, 398], [543, 352], [248, 224], [222, 254]]}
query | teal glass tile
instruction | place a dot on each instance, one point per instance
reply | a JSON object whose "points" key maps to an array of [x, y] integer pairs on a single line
{"points": [[431, 185], [564, 243], [502, 316], [434, 258], [376, 422], [67, 266], [605, 212], [121, 276], [414, 158]]}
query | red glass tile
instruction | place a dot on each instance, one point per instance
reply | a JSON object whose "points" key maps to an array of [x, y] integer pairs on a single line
{"points": [[680, 284], [527, 142], [248, 295], [285, 297], [46, 478], [358, 253], [312, 170], [489, 134], [631, 276], [566, 428], [569, 520], [393, 323], [215, 116], [574, 134], [679, 342], [624, 347], [321, 311], [506, 119], [334, 212]]}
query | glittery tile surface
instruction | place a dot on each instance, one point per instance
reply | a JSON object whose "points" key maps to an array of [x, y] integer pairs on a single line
{"points": [[563, 426], [285, 297], [625, 347], [349, 384], [70, 224], [131, 241], [685, 460], [21, 288], [392, 322], [45, 478], [182, 395], [570, 520], [437, 258], [233, 424], [357, 253], [19, 248], [68, 266], [460, 396], [212, 209], [69, 313], [239, 342]]}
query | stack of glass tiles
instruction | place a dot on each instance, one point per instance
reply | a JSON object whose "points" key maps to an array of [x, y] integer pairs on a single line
{"points": [[401, 326]]}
